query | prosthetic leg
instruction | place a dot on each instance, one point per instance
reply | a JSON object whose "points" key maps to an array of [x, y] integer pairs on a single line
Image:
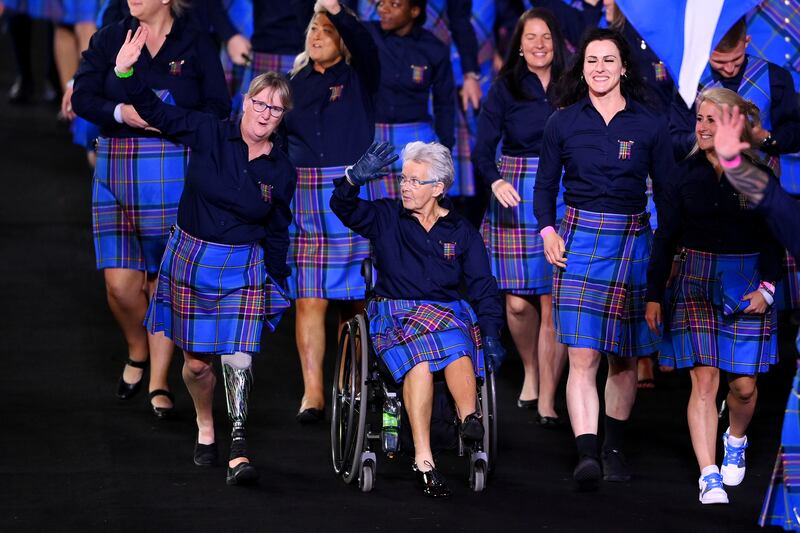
{"points": [[238, 376]]}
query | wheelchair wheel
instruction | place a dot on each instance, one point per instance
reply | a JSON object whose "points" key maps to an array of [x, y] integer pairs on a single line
{"points": [[349, 400], [367, 479], [477, 476], [490, 415]]}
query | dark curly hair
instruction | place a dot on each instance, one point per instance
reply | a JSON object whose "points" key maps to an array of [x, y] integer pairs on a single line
{"points": [[572, 86], [515, 65]]}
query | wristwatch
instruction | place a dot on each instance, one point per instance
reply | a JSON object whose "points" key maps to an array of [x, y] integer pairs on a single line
{"points": [[769, 142], [473, 76]]}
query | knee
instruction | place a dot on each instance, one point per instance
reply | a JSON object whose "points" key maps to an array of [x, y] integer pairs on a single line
{"points": [[744, 392], [517, 308], [583, 362], [705, 386], [197, 369], [123, 291]]}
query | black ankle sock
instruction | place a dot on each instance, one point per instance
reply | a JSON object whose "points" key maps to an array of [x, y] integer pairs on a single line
{"points": [[587, 445], [614, 433]]}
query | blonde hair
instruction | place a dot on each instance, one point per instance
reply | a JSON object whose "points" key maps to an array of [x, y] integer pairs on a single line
{"points": [[276, 82], [719, 97], [302, 58], [178, 7], [618, 19]]}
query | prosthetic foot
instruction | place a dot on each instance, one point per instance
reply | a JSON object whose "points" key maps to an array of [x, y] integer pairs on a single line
{"points": [[238, 377]]}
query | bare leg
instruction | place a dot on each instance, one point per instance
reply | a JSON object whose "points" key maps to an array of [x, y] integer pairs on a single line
{"points": [[460, 378], [741, 402], [583, 403], [523, 323], [161, 349], [198, 374], [552, 359], [644, 372], [128, 302], [65, 50], [310, 332], [620, 387], [702, 414], [418, 398]]}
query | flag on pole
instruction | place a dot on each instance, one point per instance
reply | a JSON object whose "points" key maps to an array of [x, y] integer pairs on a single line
{"points": [[684, 32]]}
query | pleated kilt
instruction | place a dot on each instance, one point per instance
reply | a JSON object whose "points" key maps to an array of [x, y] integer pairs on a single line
{"points": [[599, 300], [324, 255], [239, 77], [405, 333], [511, 235], [135, 193], [787, 290], [706, 323], [398, 135], [214, 298], [76, 11], [783, 495], [37, 9]]}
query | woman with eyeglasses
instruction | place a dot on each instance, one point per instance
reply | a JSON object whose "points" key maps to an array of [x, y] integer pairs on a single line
{"points": [[333, 122], [140, 170], [516, 110], [221, 277], [424, 253]]}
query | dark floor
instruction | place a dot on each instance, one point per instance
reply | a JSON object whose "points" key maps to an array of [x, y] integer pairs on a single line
{"points": [[73, 458]]}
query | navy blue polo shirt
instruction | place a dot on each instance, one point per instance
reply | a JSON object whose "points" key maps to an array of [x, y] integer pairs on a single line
{"points": [[702, 212], [605, 166], [226, 197], [519, 123], [279, 25], [414, 67], [333, 119], [187, 65], [415, 264]]}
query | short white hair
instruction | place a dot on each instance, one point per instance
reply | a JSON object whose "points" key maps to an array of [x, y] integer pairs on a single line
{"points": [[436, 156]]}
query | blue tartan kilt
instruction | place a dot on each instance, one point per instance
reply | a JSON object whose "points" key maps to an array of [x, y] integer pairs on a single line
{"points": [[77, 11], [84, 133], [511, 235], [706, 320], [787, 290], [238, 77], [214, 298], [398, 135], [324, 255], [37, 9], [599, 299], [405, 333], [137, 185]]}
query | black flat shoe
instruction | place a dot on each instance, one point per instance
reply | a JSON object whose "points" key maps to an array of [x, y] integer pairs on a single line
{"points": [[433, 483], [162, 412], [615, 466], [205, 454], [587, 473], [241, 474], [125, 390], [312, 415], [471, 429], [528, 404], [548, 422]]}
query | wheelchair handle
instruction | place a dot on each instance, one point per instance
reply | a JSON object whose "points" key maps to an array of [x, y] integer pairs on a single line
{"points": [[366, 273]]}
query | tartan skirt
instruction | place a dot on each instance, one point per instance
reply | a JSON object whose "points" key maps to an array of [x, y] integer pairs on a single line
{"points": [[787, 290], [405, 333], [214, 298], [706, 322], [324, 255], [511, 235], [398, 135], [238, 77], [135, 193], [464, 177], [76, 11], [599, 299], [37, 9], [84, 133]]}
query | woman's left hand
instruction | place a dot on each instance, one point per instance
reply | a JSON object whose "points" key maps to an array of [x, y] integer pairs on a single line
{"points": [[331, 6], [758, 304], [131, 49]]}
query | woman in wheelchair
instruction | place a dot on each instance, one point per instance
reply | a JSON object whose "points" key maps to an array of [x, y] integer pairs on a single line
{"points": [[424, 253]]}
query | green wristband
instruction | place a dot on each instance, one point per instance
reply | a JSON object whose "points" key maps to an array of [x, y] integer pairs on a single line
{"points": [[123, 75]]}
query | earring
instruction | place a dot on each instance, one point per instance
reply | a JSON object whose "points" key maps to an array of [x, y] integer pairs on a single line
{"points": [[624, 76], [520, 52], [582, 78]]}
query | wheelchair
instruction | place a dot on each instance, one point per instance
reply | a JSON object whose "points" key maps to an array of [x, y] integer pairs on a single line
{"points": [[361, 390]]}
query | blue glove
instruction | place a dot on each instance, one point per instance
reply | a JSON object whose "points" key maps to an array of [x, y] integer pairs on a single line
{"points": [[494, 353], [373, 164]]}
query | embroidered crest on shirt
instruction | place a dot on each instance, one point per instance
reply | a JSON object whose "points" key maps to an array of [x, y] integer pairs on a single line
{"points": [[625, 149], [266, 192], [175, 67], [418, 73], [660, 71], [336, 93], [449, 249]]}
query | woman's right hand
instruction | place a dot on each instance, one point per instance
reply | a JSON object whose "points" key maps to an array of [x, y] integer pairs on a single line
{"points": [[554, 249], [505, 193], [652, 315], [131, 49], [331, 6], [132, 118]]}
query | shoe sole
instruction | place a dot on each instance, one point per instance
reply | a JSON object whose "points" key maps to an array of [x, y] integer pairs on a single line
{"points": [[732, 482], [245, 477], [715, 500], [588, 477]]}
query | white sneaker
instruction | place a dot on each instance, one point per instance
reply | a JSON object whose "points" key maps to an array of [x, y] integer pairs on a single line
{"points": [[711, 489], [733, 464]]}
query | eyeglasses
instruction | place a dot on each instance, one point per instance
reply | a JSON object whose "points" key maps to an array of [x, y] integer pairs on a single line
{"points": [[260, 107], [414, 183]]}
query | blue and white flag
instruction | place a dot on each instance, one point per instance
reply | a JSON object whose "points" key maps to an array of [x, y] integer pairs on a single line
{"points": [[683, 33]]}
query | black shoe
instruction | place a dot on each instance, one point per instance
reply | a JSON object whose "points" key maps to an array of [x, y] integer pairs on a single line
{"points": [[21, 92], [433, 483], [549, 422], [615, 467], [162, 412], [587, 473], [531, 405], [311, 415], [125, 390], [241, 474], [205, 454], [471, 429]]}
